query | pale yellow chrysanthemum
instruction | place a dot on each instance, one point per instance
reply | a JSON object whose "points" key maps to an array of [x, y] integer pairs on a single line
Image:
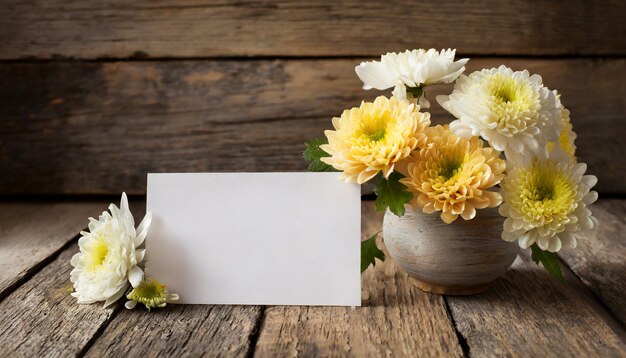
{"points": [[567, 135], [452, 174], [512, 110], [546, 203], [374, 137]]}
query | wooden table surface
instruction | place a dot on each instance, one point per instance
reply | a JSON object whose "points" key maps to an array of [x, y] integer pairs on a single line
{"points": [[525, 313]]}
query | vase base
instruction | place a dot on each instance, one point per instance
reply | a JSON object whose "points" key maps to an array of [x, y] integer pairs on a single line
{"points": [[453, 290]]}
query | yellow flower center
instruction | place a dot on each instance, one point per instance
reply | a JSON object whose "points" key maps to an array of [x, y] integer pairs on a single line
{"points": [[378, 135], [450, 167], [374, 126], [506, 89], [511, 101], [450, 160], [150, 293], [97, 254], [547, 193]]}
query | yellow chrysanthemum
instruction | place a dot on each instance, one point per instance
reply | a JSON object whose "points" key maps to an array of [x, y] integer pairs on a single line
{"points": [[546, 203], [452, 175], [373, 137], [567, 135]]}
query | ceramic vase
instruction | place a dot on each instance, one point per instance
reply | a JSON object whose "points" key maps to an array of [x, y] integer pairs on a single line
{"points": [[461, 258]]}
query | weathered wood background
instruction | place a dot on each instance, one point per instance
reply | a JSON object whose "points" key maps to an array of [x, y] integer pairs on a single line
{"points": [[95, 94]]}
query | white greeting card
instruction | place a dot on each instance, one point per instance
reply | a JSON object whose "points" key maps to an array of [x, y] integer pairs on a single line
{"points": [[255, 238]]}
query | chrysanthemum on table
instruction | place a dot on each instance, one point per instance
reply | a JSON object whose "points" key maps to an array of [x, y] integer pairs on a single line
{"points": [[529, 151], [108, 263]]}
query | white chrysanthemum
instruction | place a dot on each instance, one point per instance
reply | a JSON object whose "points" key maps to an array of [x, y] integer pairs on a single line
{"points": [[410, 71], [547, 203], [513, 111], [109, 255]]}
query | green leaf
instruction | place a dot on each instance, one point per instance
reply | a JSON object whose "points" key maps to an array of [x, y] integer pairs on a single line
{"points": [[392, 194], [549, 260], [370, 252], [313, 153]]}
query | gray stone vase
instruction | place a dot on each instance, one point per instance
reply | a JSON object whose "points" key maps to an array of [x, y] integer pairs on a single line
{"points": [[461, 258]]}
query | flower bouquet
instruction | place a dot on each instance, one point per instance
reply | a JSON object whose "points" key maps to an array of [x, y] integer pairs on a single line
{"points": [[511, 146]]}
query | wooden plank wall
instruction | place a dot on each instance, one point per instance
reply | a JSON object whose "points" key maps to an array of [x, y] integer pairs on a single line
{"points": [[95, 94]]}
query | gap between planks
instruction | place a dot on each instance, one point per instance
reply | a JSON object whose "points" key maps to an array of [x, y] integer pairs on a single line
{"points": [[100, 331], [242, 29], [131, 59], [34, 270], [256, 333], [33, 234], [459, 336]]}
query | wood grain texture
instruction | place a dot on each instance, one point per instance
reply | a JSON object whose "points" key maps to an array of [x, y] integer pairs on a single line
{"points": [[98, 128], [527, 313], [195, 28], [41, 319], [179, 331], [600, 258], [396, 319], [32, 232]]}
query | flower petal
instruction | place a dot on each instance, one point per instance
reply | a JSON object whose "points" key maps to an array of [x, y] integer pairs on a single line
{"points": [[139, 255], [399, 91], [116, 296], [376, 75], [130, 304], [142, 229], [525, 241], [469, 213], [135, 276], [129, 221]]}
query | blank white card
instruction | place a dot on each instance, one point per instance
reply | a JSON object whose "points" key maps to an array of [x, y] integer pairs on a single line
{"points": [[255, 238]]}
